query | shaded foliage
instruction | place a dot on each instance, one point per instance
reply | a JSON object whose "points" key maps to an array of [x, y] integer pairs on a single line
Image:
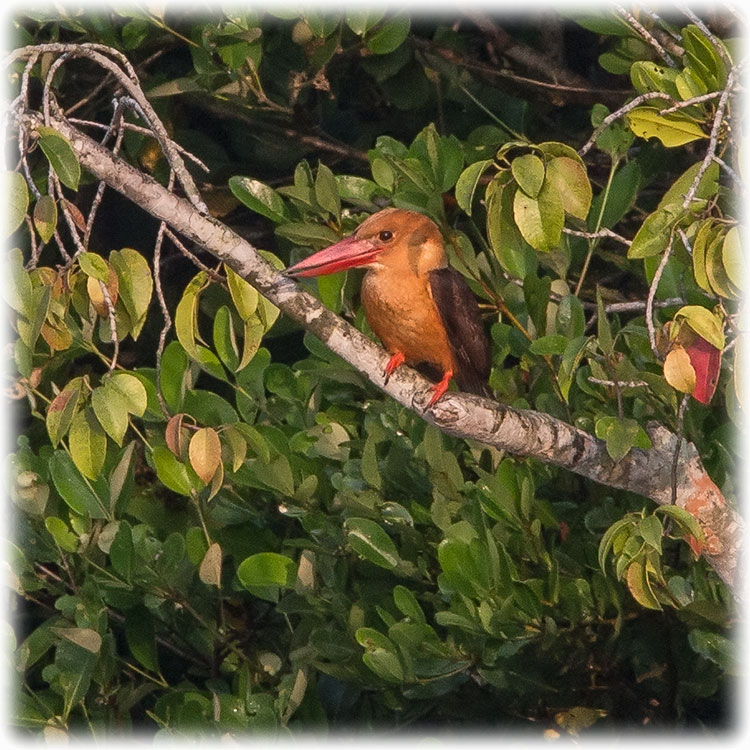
{"points": [[240, 534]]}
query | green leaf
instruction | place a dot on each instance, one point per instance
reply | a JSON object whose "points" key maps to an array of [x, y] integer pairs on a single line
{"points": [[388, 36], [174, 474], [651, 530], [175, 376], [267, 569], [571, 358], [72, 487], [225, 341], [528, 171], [407, 604], [140, 635], [360, 21], [45, 217], [135, 285], [620, 435], [540, 220], [61, 156], [672, 130], [259, 197], [122, 552], [17, 192], [131, 390], [369, 464], [111, 411], [616, 138], [369, 540], [62, 535], [568, 177], [94, 265], [243, 294], [653, 236], [326, 191], [385, 664], [554, 343], [467, 183], [708, 185], [683, 518], [307, 233], [716, 647], [88, 443]]}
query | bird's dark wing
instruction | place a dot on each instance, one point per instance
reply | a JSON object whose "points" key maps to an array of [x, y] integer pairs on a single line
{"points": [[459, 312]]}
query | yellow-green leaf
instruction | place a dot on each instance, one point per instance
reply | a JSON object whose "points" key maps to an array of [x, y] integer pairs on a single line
{"points": [[244, 296], [705, 323], [135, 285], [540, 220], [186, 315], [528, 172], [88, 443], [17, 196], [568, 176], [734, 264], [109, 407], [131, 390], [671, 130]]}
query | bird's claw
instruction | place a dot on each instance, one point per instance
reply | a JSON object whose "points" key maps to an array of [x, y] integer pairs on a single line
{"points": [[395, 361]]}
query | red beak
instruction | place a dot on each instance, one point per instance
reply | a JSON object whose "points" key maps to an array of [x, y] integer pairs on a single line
{"points": [[349, 253]]}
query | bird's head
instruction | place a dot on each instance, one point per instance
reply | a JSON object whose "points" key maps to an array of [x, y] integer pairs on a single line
{"points": [[393, 238]]}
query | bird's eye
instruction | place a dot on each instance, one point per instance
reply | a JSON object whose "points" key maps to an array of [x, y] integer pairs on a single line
{"points": [[385, 235]]}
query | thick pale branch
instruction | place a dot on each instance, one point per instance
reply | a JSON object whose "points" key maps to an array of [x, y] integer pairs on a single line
{"points": [[520, 432]]}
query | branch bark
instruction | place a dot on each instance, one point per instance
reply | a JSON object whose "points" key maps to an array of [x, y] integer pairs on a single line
{"points": [[519, 432]]}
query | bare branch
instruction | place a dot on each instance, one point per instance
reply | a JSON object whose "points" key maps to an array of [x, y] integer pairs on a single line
{"points": [[650, 299], [517, 431]]}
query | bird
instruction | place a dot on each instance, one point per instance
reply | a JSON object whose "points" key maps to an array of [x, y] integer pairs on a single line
{"points": [[423, 311]]}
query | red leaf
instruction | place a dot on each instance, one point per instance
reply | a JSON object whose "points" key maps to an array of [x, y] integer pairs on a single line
{"points": [[706, 361]]}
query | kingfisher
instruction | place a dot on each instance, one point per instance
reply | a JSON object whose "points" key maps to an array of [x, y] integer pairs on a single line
{"points": [[423, 311]]}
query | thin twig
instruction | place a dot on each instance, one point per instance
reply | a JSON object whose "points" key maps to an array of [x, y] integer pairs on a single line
{"points": [[646, 35], [610, 118], [598, 235], [735, 177], [141, 131], [618, 383], [115, 123], [163, 305], [690, 102], [193, 258], [650, 298], [678, 445], [713, 140]]}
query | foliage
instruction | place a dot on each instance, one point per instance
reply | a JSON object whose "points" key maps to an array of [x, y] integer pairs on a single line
{"points": [[241, 534]]}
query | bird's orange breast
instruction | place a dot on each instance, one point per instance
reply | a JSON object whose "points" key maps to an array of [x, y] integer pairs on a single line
{"points": [[400, 310]]}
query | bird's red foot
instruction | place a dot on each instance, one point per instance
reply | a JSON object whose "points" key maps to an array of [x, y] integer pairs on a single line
{"points": [[395, 361], [439, 389]]}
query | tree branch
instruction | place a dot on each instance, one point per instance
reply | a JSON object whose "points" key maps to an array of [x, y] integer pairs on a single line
{"points": [[520, 432]]}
